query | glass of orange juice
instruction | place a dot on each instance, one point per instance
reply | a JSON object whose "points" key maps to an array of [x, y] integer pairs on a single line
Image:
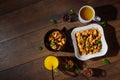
{"points": [[51, 63]]}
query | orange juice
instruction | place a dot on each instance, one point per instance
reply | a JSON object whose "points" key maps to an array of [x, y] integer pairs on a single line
{"points": [[51, 61], [87, 13]]}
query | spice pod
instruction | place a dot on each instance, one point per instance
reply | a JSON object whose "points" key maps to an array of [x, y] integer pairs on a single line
{"points": [[87, 72], [69, 17]]}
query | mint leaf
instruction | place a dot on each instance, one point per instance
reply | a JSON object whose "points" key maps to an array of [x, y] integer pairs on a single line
{"points": [[106, 61], [88, 47], [77, 70], [84, 40], [72, 11], [67, 66], [52, 43], [40, 48], [97, 42], [53, 21], [104, 23]]}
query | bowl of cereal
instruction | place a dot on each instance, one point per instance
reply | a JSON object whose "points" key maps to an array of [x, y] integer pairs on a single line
{"points": [[55, 40], [89, 41]]}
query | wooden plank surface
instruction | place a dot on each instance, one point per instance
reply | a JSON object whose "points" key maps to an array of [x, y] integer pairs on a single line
{"points": [[35, 70], [112, 73], [30, 18], [23, 25], [8, 6], [13, 53], [28, 50]]}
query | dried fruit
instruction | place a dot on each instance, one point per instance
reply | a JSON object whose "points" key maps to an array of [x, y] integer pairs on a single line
{"points": [[67, 18]]}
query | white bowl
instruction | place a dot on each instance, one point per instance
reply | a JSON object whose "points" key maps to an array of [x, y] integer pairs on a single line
{"points": [[103, 41]]}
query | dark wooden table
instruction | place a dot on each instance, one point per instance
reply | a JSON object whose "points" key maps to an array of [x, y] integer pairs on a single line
{"points": [[24, 23]]}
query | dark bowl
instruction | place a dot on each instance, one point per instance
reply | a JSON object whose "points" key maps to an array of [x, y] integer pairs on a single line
{"points": [[47, 43]]}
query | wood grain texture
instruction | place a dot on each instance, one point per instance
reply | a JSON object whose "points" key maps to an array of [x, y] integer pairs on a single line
{"points": [[112, 73], [7, 6], [24, 48], [23, 25], [35, 70], [30, 18]]}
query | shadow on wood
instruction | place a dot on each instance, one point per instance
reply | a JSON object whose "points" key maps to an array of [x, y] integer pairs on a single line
{"points": [[107, 12], [99, 72], [69, 45], [113, 45], [65, 68], [110, 35]]}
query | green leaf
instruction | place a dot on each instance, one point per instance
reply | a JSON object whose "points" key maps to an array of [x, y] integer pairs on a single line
{"points": [[67, 66], [77, 70], [84, 40], [40, 48], [97, 42], [52, 43], [88, 47], [72, 11], [106, 61], [104, 23], [53, 21]]}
